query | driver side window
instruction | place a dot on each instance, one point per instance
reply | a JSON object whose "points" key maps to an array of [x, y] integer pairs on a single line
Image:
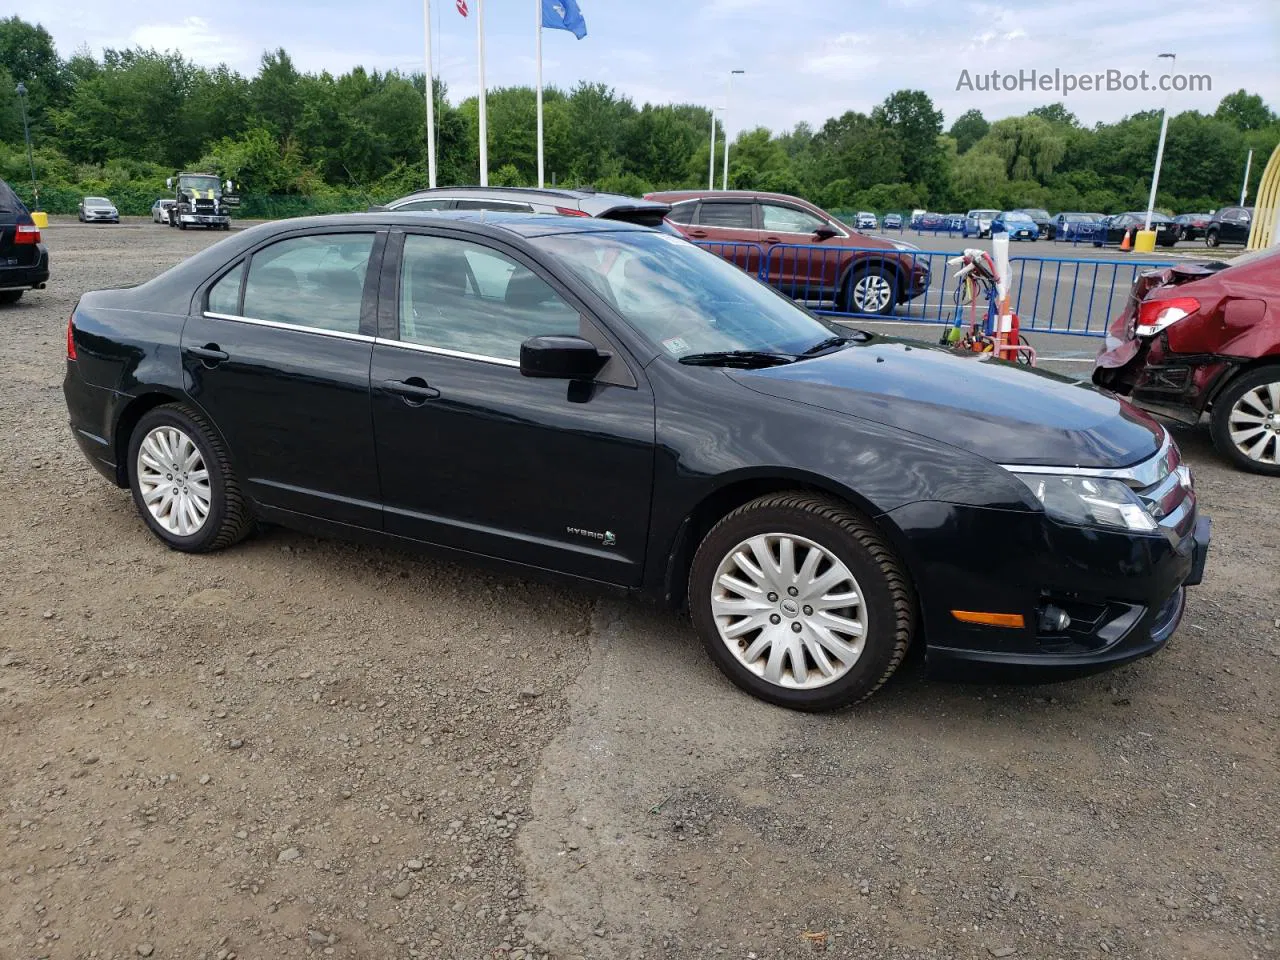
{"points": [[788, 219]]}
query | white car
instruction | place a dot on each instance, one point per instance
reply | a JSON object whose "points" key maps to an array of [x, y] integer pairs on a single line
{"points": [[160, 209], [867, 221], [98, 208]]}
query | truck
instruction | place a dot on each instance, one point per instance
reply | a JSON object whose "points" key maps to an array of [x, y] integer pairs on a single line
{"points": [[200, 199]]}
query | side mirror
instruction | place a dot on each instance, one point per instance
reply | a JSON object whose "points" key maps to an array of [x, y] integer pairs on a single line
{"points": [[169, 183], [558, 357], [824, 233]]}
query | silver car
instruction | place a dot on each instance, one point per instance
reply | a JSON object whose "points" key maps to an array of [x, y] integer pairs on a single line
{"points": [[160, 209], [98, 209]]}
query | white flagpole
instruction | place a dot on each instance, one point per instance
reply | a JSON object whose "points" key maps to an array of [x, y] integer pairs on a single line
{"points": [[431, 97], [711, 174], [484, 119], [537, 4]]}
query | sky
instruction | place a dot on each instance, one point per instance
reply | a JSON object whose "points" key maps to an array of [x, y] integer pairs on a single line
{"points": [[805, 60]]}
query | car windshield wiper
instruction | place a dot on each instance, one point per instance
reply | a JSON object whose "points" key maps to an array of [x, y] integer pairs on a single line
{"points": [[737, 358], [824, 345]]}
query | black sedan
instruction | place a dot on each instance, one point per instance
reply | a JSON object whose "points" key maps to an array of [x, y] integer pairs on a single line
{"points": [[1113, 229], [1047, 225], [610, 403]]}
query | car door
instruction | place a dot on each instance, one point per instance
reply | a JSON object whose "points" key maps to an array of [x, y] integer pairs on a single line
{"points": [[1241, 221], [473, 455], [277, 356], [796, 261], [729, 228]]}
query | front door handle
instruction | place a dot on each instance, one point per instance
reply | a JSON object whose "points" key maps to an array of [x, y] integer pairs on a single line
{"points": [[210, 353], [697, 233], [414, 390], [772, 240]]}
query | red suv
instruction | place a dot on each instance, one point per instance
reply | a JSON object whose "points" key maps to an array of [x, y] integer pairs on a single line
{"points": [[1205, 336], [800, 249]]}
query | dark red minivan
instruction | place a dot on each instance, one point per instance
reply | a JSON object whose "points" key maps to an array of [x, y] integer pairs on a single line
{"points": [[1202, 337], [800, 248]]}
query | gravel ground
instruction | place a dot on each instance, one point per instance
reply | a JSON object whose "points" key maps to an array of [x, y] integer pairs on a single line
{"points": [[305, 748]]}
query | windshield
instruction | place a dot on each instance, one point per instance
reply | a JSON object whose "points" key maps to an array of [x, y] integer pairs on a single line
{"points": [[202, 184], [984, 214], [98, 201], [1017, 218], [1037, 214], [682, 298]]}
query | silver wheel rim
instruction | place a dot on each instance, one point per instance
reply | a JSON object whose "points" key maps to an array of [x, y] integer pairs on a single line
{"points": [[789, 611], [1254, 423], [871, 294], [174, 481]]}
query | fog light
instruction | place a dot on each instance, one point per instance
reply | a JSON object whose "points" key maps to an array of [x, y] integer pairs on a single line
{"points": [[1054, 619]]}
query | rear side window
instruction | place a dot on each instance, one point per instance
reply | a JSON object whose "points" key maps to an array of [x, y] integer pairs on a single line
{"points": [[224, 296], [313, 281], [683, 212], [424, 205], [504, 205], [736, 216]]}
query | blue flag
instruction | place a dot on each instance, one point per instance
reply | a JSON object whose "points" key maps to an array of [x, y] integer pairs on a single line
{"points": [[564, 15]]}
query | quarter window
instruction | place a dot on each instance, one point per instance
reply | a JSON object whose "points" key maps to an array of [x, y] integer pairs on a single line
{"points": [[683, 212], [789, 219], [461, 296], [313, 281], [423, 205], [224, 296], [505, 206], [733, 216]]}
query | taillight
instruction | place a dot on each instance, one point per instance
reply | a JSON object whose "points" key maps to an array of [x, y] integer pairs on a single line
{"points": [[27, 233], [71, 336], [570, 212], [1155, 315]]}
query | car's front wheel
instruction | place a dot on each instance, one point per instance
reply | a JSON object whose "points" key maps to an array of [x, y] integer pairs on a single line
{"points": [[182, 481], [872, 289], [801, 602], [1211, 238], [1245, 422]]}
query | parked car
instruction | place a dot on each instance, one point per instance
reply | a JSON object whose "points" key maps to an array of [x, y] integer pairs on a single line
{"points": [[1074, 226], [160, 209], [568, 203], [24, 261], [1229, 225], [1018, 225], [97, 209], [1206, 336], [1113, 229], [1191, 226], [1044, 222], [614, 405], [866, 221], [977, 223], [893, 221], [955, 222], [933, 221], [801, 249]]}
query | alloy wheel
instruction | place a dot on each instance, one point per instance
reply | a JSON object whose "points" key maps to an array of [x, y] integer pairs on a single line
{"points": [[1254, 423], [789, 610], [872, 294], [174, 481]]}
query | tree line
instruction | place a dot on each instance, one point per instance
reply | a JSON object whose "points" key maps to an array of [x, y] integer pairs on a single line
{"points": [[121, 123]]}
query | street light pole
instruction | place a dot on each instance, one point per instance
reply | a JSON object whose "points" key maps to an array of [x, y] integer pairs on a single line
{"points": [[1164, 129], [26, 133], [724, 182], [711, 172], [1244, 188]]}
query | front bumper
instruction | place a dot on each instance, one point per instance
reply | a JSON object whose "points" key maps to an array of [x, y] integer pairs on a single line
{"points": [[1124, 592], [89, 217], [204, 218], [28, 276]]}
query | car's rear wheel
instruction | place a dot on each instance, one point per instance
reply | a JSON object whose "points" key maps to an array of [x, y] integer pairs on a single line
{"points": [[872, 289], [1245, 422], [801, 602], [11, 296], [182, 482]]}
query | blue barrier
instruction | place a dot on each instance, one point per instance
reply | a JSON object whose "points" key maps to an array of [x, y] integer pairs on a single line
{"points": [[1057, 295]]}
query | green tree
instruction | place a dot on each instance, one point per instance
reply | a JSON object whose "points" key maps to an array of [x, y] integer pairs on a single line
{"points": [[970, 127], [1029, 147], [1056, 113], [1245, 111], [276, 93], [911, 116]]}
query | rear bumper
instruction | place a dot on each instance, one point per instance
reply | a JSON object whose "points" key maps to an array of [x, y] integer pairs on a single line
{"points": [[26, 276], [1124, 593], [1173, 385]]}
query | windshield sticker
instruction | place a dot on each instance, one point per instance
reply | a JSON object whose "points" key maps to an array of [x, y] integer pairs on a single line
{"points": [[676, 346]]}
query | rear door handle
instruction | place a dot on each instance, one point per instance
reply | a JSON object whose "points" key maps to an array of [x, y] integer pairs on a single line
{"points": [[210, 353], [414, 390], [697, 233], [772, 240]]}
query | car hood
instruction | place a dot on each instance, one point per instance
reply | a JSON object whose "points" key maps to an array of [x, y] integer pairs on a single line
{"points": [[996, 410]]}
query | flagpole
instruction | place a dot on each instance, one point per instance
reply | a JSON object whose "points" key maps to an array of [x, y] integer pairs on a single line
{"points": [[431, 96], [537, 5], [711, 173], [484, 119]]}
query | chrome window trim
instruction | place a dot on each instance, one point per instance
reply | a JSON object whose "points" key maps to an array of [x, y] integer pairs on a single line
{"points": [[296, 327], [445, 352], [1140, 475]]}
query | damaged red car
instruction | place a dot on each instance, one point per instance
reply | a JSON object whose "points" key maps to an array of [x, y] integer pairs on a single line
{"points": [[1205, 337]]}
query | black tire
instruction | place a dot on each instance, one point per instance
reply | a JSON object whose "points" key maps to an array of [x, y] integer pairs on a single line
{"points": [[182, 225], [1211, 238], [869, 274], [1220, 421], [229, 519], [886, 592], [11, 296]]}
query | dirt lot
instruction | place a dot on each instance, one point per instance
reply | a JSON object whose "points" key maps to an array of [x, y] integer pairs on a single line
{"points": [[302, 748]]}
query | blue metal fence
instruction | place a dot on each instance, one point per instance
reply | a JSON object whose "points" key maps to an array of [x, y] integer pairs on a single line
{"points": [[1050, 294]]}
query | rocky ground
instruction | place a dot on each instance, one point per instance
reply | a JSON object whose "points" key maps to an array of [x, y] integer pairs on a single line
{"points": [[305, 748]]}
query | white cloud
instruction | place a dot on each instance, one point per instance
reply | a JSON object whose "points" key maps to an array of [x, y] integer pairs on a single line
{"points": [[195, 39]]}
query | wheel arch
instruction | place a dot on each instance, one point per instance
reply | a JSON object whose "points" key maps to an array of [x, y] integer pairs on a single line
{"points": [[743, 488], [135, 409], [1243, 370]]}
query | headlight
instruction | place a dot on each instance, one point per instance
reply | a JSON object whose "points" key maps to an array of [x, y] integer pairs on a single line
{"points": [[1089, 501]]}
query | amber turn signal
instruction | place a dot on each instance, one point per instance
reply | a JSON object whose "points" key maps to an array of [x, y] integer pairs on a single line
{"points": [[1014, 620]]}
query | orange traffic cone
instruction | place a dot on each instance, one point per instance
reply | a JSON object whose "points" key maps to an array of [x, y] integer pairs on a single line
{"points": [[1125, 244]]}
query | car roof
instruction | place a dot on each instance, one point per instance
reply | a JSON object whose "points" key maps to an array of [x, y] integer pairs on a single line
{"points": [[676, 196], [588, 199], [480, 222]]}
